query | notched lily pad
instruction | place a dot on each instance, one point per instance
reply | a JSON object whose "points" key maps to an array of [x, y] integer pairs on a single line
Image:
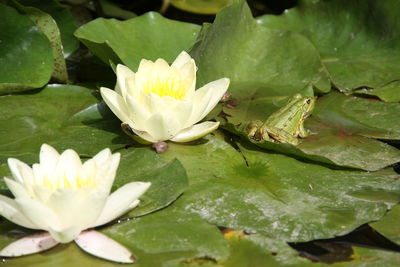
{"points": [[278, 196], [149, 36]]}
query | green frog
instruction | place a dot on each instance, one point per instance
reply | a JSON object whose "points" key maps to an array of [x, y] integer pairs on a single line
{"points": [[286, 124]]}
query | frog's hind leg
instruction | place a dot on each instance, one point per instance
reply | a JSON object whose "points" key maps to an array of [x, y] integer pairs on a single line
{"points": [[281, 136]]}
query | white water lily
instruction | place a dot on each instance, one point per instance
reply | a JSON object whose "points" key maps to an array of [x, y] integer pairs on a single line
{"points": [[159, 102], [65, 197]]}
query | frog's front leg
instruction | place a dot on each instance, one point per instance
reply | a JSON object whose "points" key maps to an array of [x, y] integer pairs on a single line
{"points": [[252, 128], [302, 131]]}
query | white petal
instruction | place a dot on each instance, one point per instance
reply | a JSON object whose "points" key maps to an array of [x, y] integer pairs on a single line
{"points": [[196, 131], [188, 73], [20, 171], [123, 74], [137, 112], [28, 245], [99, 245], [207, 97], [162, 126], [102, 157], [116, 103], [69, 165], [16, 188], [48, 158], [144, 71], [103, 167], [154, 103], [38, 214], [121, 201], [41, 192], [66, 235], [11, 211], [187, 67], [181, 60], [79, 207]]}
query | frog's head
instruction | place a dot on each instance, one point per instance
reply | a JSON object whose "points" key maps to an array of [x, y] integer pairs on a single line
{"points": [[308, 105], [305, 104]]}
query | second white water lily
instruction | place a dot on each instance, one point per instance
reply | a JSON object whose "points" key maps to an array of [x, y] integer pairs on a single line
{"points": [[159, 102], [65, 197]]}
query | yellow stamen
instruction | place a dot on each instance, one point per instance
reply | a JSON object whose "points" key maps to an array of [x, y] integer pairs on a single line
{"points": [[166, 86], [62, 182]]}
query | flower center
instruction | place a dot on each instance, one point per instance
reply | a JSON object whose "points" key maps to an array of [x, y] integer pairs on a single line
{"points": [[166, 86], [63, 182]]}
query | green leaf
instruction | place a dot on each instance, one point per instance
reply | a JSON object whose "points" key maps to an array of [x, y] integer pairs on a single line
{"points": [[389, 225], [373, 257], [358, 40], [201, 6], [388, 92], [168, 181], [64, 19], [62, 116], [354, 115], [25, 51], [252, 56], [149, 36], [110, 9], [339, 126], [278, 196], [170, 231], [49, 27], [258, 250]]}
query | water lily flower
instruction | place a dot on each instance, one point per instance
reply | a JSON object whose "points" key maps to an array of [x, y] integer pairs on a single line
{"points": [[65, 198], [159, 102]]}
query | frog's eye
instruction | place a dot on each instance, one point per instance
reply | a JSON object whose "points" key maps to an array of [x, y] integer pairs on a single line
{"points": [[308, 101]]}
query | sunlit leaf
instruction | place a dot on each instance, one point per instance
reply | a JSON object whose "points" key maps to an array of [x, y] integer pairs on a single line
{"points": [[358, 40], [149, 36], [278, 196], [252, 56]]}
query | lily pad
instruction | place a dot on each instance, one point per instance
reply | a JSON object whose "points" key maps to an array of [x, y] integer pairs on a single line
{"points": [[49, 27], [62, 116], [388, 92], [149, 36], [258, 250], [278, 196], [339, 126], [25, 51], [252, 56], [358, 40], [389, 225], [168, 181], [354, 115], [156, 240], [201, 6], [64, 19]]}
